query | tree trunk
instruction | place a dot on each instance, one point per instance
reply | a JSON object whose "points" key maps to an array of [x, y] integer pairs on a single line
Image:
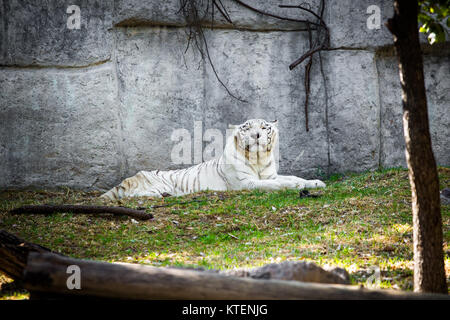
{"points": [[429, 273]]}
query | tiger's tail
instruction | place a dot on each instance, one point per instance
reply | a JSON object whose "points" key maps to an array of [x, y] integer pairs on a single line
{"points": [[135, 186], [112, 194], [128, 187]]}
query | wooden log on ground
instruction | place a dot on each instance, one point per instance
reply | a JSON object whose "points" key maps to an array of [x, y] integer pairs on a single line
{"points": [[50, 209], [14, 254], [47, 272]]}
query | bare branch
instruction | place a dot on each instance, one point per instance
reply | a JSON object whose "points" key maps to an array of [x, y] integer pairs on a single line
{"points": [[303, 57], [274, 15], [50, 209]]}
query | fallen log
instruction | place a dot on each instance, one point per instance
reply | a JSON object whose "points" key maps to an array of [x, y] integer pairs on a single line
{"points": [[14, 254], [50, 209], [47, 273]]}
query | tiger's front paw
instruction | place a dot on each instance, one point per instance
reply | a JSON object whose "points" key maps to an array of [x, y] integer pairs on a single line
{"points": [[294, 185], [316, 184], [299, 185]]}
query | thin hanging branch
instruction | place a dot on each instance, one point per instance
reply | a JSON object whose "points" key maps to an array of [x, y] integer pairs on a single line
{"points": [[307, 80], [214, 69], [223, 11], [308, 54], [317, 47], [195, 24], [321, 23], [274, 15]]}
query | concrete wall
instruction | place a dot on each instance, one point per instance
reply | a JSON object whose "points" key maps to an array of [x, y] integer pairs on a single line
{"points": [[86, 108]]}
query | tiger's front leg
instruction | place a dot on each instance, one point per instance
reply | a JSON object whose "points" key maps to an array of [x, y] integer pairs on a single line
{"points": [[293, 182], [269, 185]]}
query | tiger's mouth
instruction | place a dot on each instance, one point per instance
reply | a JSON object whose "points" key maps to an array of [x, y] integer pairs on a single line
{"points": [[250, 148], [256, 148]]}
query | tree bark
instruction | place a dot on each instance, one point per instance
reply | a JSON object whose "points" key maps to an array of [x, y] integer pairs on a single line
{"points": [[46, 273], [14, 254], [429, 272]]}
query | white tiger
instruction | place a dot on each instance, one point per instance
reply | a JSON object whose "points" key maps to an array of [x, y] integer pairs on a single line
{"points": [[246, 163]]}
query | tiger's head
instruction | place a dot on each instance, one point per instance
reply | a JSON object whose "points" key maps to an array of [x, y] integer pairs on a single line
{"points": [[256, 135]]}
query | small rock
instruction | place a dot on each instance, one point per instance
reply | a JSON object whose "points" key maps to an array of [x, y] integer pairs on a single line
{"points": [[445, 196], [274, 209], [292, 270], [446, 192], [134, 221], [305, 194]]}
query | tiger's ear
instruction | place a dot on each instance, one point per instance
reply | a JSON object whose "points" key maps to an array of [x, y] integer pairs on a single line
{"points": [[275, 123]]}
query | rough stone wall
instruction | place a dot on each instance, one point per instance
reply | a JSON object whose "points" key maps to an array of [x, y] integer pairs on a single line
{"points": [[86, 108]]}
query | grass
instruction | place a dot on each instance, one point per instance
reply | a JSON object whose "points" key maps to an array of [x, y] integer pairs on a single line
{"points": [[358, 221]]}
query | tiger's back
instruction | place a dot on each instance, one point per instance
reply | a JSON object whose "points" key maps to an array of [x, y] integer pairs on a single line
{"points": [[204, 176]]}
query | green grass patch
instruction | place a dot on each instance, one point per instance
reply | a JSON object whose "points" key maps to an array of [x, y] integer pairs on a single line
{"points": [[358, 221]]}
